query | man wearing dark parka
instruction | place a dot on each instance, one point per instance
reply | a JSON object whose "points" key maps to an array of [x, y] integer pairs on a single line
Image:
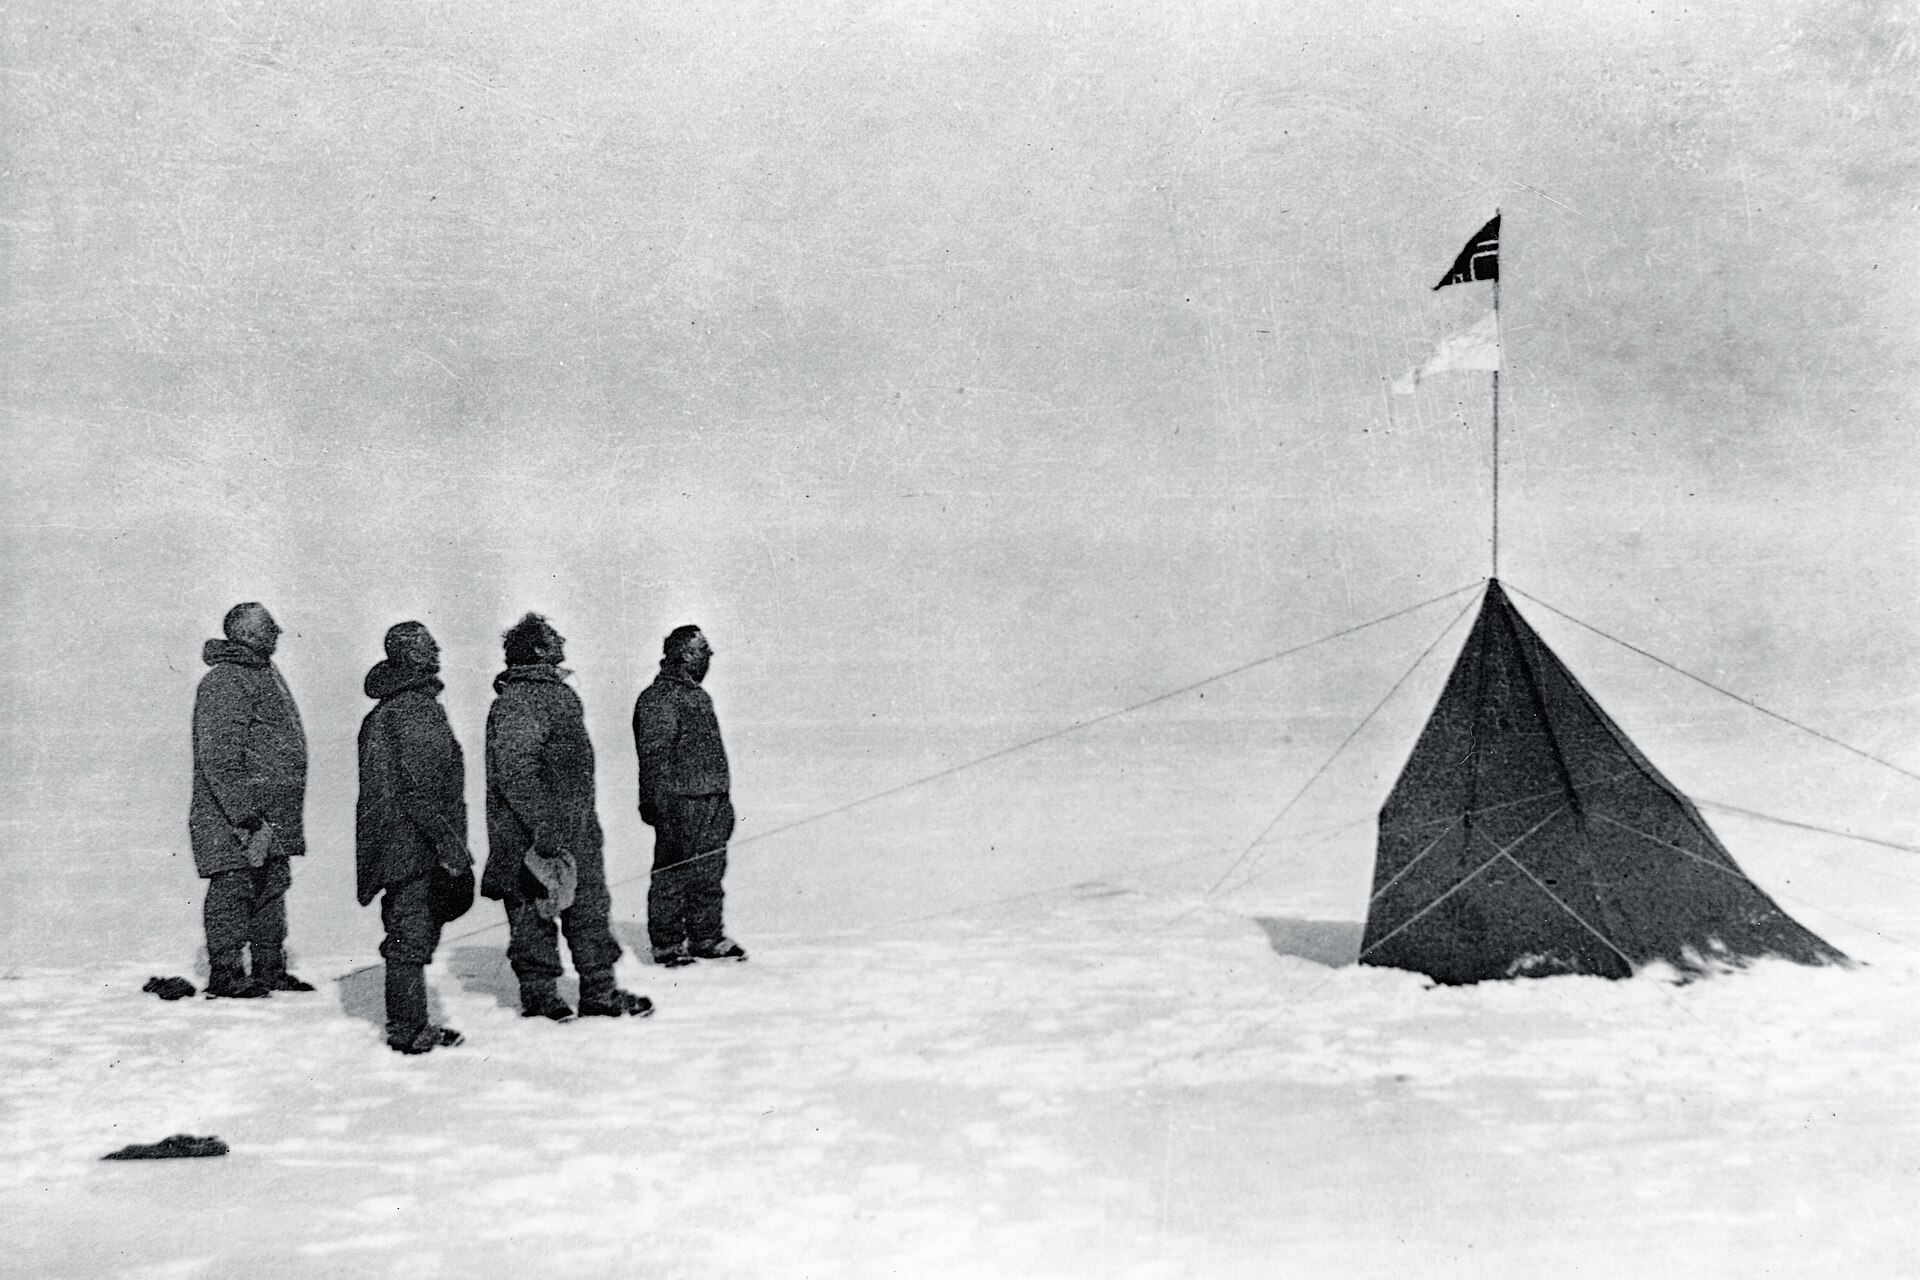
{"points": [[410, 825], [684, 786], [249, 797], [544, 854]]}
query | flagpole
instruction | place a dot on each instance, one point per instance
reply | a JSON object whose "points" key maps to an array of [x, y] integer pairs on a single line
{"points": [[1480, 260]]}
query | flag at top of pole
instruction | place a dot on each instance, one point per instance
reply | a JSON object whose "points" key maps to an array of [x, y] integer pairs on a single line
{"points": [[1480, 260]]}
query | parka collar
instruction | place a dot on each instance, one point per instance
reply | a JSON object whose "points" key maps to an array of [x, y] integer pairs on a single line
{"points": [[671, 670], [532, 673], [388, 678], [215, 652]]}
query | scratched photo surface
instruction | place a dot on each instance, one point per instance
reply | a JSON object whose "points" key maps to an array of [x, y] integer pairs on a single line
{"points": [[970, 373]]}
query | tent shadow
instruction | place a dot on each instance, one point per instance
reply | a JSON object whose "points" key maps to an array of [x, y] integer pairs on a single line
{"points": [[485, 970], [1333, 943], [632, 937], [363, 994]]}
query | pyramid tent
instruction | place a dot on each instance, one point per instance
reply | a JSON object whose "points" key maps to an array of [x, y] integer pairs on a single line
{"points": [[1528, 836]]}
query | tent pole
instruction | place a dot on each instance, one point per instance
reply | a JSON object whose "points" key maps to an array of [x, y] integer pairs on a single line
{"points": [[1496, 435]]}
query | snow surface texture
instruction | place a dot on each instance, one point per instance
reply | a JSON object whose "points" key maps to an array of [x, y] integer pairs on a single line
{"points": [[1111, 1083]]}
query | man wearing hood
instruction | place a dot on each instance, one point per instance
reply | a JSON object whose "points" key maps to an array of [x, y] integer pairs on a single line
{"points": [[249, 793], [684, 788], [544, 856], [410, 826]]}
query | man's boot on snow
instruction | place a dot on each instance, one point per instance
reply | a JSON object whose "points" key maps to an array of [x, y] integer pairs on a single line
{"points": [[408, 1030], [717, 949], [540, 1000], [270, 970], [429, 1038], [601, 998], [672, 957], [406, 1004], [228, 978]]}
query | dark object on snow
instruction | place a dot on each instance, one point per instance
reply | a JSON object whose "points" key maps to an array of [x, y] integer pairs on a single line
{"points": [[171, 988], [1527, 836], [180, 1146]]}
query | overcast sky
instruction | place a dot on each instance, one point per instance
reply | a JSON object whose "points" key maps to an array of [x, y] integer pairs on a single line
{"points": [[994, 363]]}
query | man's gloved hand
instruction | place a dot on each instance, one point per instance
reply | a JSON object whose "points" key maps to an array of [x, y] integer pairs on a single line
{"points": [[255, 837], [559, 876]]}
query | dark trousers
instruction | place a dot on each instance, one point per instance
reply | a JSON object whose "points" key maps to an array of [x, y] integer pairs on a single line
{"points": [[684, 900], [248, 906], [534, 948], [406, 910]]}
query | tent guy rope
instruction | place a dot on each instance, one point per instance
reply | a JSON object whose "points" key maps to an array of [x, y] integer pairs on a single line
{"points": [[1744, 701]]}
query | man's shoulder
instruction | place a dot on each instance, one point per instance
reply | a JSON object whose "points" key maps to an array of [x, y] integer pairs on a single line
{"points": [[226, 678], [408, 707], [539, 697], [663, 690]]}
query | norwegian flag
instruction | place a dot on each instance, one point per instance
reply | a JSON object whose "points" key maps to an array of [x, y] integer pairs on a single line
{"points": [[1480, 260]]}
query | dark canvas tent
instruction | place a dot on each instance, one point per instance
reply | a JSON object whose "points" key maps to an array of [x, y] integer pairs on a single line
{"points": [[1528, 836]]}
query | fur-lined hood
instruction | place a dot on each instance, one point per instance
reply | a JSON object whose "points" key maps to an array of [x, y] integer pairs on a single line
{"points": [[388, 678], [215, 652]]}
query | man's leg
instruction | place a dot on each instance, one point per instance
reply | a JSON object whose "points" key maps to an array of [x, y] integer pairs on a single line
{"points": [[534, 950], [267, 928], [227, 914], [706, 901], [666, 890], [412, 934], [705, 898], [595, 950]]}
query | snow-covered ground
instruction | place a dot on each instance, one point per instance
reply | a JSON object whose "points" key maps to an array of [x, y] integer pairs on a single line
{"points": [[1118, 1080], [992, 1027]]}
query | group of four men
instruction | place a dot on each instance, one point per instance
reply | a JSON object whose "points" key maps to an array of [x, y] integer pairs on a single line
{"points": [[544, 841]]}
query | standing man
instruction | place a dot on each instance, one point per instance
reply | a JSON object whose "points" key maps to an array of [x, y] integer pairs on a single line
{"points": [[249, 794], [683, 797], [410, 826], [543, 838]]}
